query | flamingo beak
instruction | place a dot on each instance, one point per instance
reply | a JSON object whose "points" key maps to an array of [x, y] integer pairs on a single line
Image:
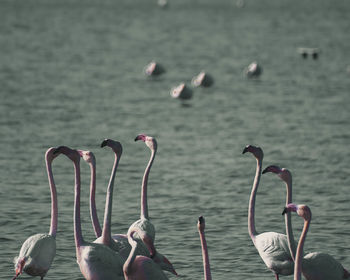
{"points": [[172, 269], [140, 137], [272, 168], [104, 143], [245, 150]]}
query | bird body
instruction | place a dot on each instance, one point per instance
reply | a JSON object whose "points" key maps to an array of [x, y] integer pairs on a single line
{"points": [[99, 262], [274, 251], [38, 251], [322, 266], [141, 267], [145, 225], [147, 267]]}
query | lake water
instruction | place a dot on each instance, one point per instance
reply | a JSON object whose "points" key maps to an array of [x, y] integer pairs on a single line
{"points": [[71, 74]]}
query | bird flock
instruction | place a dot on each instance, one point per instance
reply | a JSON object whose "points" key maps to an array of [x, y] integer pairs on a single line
{"points": [[133, 255], [184, 92]]}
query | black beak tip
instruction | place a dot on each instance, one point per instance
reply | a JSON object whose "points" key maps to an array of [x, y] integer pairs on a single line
{"points": [[104, 143], [264, 171], [57, 150], [201, 219], [284, 211]]}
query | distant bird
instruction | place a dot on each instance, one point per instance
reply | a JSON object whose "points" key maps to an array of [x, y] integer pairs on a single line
{"points": [[272, 246], [144, 223], [325, 266], [39, 250], [205, 254], [313, 52], [240, 3], [163, 3], [139, 267], [181, 92], [153, 69], [96, 261], [253, 70], [202, 79]]}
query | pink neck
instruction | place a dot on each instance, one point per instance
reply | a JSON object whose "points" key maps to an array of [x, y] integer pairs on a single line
{"points": [[54, 207], [93, 211], [144, 206], [127, 267], [288, 221], [78, 237], [299, 254], [205, 255], [106, 231], [251, 210]]}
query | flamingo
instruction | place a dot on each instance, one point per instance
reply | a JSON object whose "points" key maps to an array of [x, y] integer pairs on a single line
{"points": [[118, 242], [38, 251], [272, 246], [327, 266], [253, 70], [205, 255], [138, 267], [317, 266], [144, 222], [96, 261], [153, 69], [286, 176]]}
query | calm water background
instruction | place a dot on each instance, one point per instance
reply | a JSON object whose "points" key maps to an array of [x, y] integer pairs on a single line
{"points": [[71, 74]]}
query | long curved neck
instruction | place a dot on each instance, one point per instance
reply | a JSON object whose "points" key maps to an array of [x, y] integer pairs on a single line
{"points": [[78, 237], [288, 221], [54, 206], [205, 255], [93, 211], [251, 210], [299, 254], [144, 205], [130, 260], [106, 231]]}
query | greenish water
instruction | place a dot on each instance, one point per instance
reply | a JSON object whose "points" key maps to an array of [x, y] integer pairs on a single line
{"points": [[71, 74]]}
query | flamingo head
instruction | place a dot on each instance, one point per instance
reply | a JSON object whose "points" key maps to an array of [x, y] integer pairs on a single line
{"points": [[19, 266], [201, 224], [283, 173], [73, 155], [88, 156], [256, 151], [302, 210], [149, 141], [50, 154], [164, 263], [116, 146]]}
